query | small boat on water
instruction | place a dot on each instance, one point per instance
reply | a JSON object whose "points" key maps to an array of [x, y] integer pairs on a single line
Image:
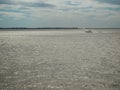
{"points": [[88, 31]]}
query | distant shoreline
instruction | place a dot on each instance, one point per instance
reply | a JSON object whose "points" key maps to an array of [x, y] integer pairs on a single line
{"points": [[57, 28]]}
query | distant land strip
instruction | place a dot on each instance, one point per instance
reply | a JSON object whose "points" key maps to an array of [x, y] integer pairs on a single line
{"points": [[54, 28], [42, 28]]}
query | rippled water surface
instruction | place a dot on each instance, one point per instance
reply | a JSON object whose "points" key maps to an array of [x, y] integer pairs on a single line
{"points": [[60, 60]]}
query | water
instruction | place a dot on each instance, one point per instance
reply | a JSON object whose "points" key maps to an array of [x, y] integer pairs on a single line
{"points": [[60, 60]]}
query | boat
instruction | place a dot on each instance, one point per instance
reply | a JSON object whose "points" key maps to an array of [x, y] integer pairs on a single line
{"points": [[88, 31]]}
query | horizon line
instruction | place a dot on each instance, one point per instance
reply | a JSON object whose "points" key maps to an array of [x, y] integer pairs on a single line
{"points": [[54, 28]]}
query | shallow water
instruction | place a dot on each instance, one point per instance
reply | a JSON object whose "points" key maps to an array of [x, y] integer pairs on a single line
{"points": [[59, 60]]}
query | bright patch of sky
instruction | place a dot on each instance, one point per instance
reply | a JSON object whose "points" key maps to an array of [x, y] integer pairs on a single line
{"points": [[60, 13]]}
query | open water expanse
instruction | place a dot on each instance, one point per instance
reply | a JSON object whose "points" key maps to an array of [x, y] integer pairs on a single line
{"points": [[60, 59]]}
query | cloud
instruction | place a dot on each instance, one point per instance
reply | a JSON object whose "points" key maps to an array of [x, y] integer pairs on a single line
{"points": [[13, 14], [112, 9], [115, 2], [40, 4], [65, 11], [6, 2], [73, 3], [25, 3]]}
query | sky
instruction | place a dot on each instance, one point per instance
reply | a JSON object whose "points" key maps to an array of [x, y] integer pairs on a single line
{"points": [[60, 13]]}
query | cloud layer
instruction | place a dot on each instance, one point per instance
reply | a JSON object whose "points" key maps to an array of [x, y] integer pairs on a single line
{"points": [[116, 2], [68, 13]]}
